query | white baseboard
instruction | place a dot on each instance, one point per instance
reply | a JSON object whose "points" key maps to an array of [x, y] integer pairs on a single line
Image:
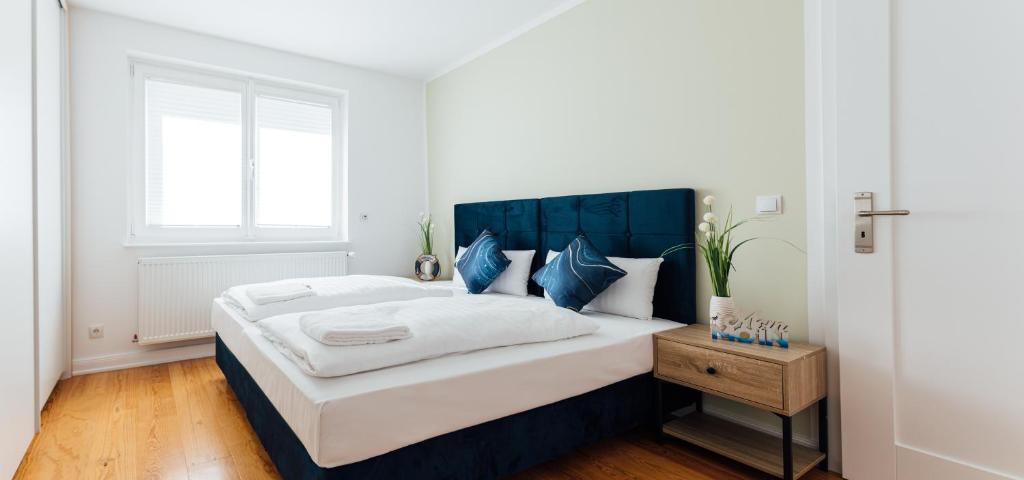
{"points": [[916, 463], [141, 358], [774, 430]]}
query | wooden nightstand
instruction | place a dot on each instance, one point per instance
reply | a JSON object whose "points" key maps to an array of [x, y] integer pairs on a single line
{"points": [[779, 380]]}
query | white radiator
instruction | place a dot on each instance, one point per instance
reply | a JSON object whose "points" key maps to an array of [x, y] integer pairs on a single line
{"points": [[175, 293]]}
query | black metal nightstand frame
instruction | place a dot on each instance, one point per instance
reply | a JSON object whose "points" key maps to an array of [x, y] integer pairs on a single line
{"points": [[787, 425]]}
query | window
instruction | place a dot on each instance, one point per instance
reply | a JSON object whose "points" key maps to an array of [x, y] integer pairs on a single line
{"points": [[225, 158]]}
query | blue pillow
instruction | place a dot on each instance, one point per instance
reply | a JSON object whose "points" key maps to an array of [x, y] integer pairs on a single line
{"points": [[482, 262], [577, 275]]}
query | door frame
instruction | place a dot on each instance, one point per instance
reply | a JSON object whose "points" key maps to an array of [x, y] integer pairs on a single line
{"points": [[850, 37], [820, 154]]}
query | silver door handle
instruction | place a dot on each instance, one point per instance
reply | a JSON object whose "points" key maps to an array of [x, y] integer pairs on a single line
{"points": [[875, 213], [864, 221]]}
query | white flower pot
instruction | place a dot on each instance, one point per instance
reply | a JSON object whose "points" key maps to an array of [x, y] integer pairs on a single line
{"points": [[722, 313]]}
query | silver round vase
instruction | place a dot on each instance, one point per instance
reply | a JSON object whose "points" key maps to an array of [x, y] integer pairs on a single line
{"points": [[427, 267]]}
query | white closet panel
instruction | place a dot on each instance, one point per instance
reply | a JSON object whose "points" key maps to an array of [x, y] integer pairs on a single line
{"points": [[49, 239], [17, 340]]}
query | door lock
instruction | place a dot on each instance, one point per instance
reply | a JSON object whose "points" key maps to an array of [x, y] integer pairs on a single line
{"points": [[864, 221]]}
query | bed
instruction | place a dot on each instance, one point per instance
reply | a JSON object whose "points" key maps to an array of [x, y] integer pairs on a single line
{"points": [[487, 413]]}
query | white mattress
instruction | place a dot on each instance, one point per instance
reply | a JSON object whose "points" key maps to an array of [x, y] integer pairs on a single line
{"points": [[344, 420]]}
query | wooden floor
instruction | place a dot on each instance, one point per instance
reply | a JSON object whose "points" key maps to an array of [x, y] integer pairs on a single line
{"points": [[181, 421]]}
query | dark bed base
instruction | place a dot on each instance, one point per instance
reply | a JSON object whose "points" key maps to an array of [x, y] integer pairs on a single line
{"points": [[489, 450]]}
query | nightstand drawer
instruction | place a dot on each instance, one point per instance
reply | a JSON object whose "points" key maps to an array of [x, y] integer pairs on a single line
{"points": [[739, 376]]}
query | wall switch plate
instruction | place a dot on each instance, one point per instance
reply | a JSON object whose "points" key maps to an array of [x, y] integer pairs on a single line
{"points": [[768, 205], [96, 331]]}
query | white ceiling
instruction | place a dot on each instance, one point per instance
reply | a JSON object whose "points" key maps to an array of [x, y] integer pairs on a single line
{"points": [[411, 38]]}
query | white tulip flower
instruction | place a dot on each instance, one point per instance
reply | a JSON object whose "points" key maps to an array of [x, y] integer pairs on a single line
{"points": [[708, 200], [704, 227], [707, 235], [710, 217]]}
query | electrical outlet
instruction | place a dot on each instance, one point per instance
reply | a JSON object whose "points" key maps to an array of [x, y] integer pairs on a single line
{"points": [[96, 331]]}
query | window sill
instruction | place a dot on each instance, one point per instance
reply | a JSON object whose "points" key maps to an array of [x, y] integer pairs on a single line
{"points": [[269, 243]]}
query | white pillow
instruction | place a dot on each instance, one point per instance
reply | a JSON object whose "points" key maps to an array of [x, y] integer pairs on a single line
{"points": [[512, 281], [629, 296]]}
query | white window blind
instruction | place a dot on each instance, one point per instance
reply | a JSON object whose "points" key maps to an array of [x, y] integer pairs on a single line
{"points": [[222, 157], [293, 163], [194, 155]]}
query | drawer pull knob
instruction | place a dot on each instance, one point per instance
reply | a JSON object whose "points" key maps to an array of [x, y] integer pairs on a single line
{"points": [[711, 370]]}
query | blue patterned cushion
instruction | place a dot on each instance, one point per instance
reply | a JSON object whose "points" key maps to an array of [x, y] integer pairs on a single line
{"points": [[577, 275], [482, 262]]}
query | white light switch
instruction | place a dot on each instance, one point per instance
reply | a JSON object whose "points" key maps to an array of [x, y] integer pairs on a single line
{"points": [[769, 204]]}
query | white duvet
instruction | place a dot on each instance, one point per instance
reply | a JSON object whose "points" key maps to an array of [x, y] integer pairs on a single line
{"points": [[331, 292], [439, 326]]}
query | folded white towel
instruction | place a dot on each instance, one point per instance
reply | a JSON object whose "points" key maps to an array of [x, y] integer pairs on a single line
{"points": [[439, 326], [278, 292], [332, 292], [347, 326]]}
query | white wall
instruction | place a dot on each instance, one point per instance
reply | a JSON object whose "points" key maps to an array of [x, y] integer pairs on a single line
{"points": [[50, 232], [385, 150], [623, 95], [17, 363]]}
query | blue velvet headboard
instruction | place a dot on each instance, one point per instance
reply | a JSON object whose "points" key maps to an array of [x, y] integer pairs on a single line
{"points": [[638, 224]]}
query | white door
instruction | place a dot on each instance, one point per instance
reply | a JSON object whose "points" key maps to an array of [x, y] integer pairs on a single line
{"points": [[927, 112]]}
